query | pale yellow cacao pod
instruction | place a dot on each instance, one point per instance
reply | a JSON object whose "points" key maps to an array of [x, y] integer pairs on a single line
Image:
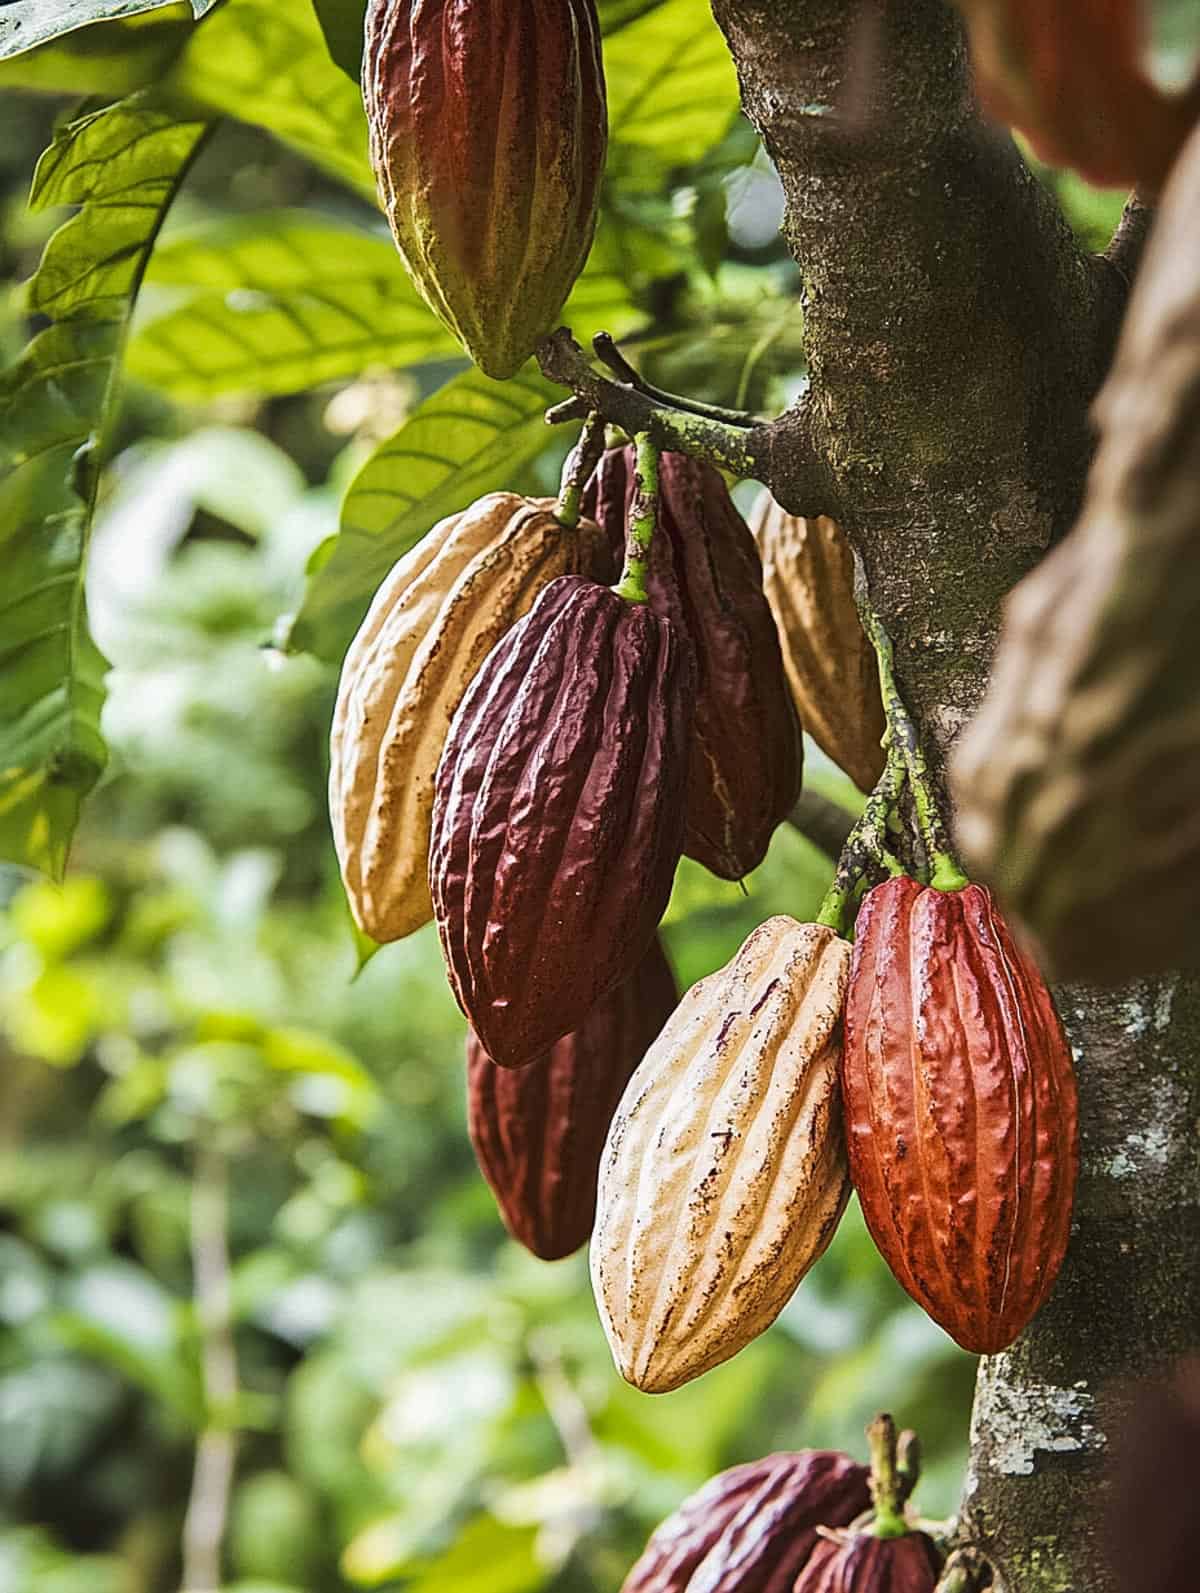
{"points": [[724, 1174], [434, 620], [808, 574]]}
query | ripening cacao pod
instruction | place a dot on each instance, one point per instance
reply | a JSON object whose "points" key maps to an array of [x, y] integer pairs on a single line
{"points": [[434, 620], [538, 1131], [808, 572], [488, 134], [861, 1563], [960, 1109], [1072, 77], [751, 1529], [558, 814], [724, 1175], [706, 576], [1078, 783]]}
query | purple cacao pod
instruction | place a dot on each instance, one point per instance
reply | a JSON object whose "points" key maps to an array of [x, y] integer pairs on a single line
{"points": [[558, 814], [753, 1528], [706, 576], [539, 1131], [866, 1564], [488, 136]]}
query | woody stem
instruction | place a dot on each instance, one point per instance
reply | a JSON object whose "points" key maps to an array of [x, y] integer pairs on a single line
{"points": [[866, 846], [643, 518], [577, 470]]}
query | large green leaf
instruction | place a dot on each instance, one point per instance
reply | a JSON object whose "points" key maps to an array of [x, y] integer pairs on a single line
{"points": [[615, 14], [672, 88], [24, 24], [266, 62], [466, 440], [284, 302], [342, 24], [123, 166], [109, 59]]}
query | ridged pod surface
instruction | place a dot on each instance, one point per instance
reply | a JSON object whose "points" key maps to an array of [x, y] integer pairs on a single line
{"points": [[864, 1564], [434, 620], [706, 576], [724, 1175], [808, 573], [488, 136], [960, 1109], [752, 1529], [539, 1131], [1078, 784], [558, 814]]}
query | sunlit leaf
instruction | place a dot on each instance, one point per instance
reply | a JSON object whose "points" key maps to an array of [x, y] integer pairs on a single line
{"points": [[24, 24], [110, 59], [123, 167], [672, 89], [342, 24]]}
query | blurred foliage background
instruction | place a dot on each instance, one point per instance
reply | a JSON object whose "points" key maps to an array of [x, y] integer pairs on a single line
{"points": [[257, 1311]]}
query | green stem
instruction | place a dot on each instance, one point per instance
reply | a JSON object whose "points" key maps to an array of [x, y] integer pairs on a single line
{"points": [[865, 846], [609, 354], [643, 518], [577, 471], [890, 1485], [944, 872]]}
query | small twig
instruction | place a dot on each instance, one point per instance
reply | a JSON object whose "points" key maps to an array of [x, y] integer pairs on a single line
{"points": [[643, 522], [890, 1484], [1129, 240], [609, 354], [865, 850], [577, 470], [563, 1404], [966, 1571], [825, 823]]}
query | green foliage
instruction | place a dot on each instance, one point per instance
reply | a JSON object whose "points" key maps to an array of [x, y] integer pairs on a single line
{"points": [[28, 23]]}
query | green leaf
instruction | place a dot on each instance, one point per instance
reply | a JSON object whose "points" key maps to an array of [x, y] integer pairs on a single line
{"points": [[342, 24], [286, 302], [672, 88], [110, 59], [123, 166], [266, 63], [466, 440], [615, 14], [486, 1557], [28, 23]]}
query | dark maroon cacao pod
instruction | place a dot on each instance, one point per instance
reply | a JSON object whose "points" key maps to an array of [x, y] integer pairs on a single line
{"points": [[706, 575], [558, 814], [863, 1564], [752, 1529], [539, 1131]]}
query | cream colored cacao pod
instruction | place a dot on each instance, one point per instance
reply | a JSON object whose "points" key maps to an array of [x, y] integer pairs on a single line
{"points": [[808, 574], [724, 1174], [434, 620]]}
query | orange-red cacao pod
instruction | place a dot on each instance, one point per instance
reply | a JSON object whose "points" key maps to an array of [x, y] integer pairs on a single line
{"points": [[960, 1109], [706, 576], [865, 1564], [488, 137], [539, 1131], [752, 1528]]}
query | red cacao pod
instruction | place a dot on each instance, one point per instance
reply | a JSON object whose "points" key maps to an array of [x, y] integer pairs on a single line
{"points": [[539, 1131], [866, 1564], [752, 1529], [488, 136], [706, 576], [558, 814], [960, 1109]]}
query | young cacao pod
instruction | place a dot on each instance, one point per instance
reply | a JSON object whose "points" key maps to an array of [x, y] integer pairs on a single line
{"points": [[1078, 783], [861, 1563], [538, 1131], [808, 573], [751, 1529], [488, 133], [960, 1109], [558, 814], [706, 576], [724, 1175], [434, 620]]}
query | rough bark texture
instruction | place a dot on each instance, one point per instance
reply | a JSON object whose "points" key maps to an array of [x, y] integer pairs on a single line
{"points": [[957, 335]]}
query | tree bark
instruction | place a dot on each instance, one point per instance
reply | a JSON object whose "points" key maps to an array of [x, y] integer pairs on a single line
{"points": [[956, 335]]}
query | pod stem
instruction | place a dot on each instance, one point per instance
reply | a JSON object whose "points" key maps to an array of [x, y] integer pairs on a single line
{"points": [[866, 846], [944, 871], [643, 520], [895, 1466], [577, 471]]}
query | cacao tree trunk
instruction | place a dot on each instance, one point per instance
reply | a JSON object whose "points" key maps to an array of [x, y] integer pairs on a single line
{"points": [[957, 334]]}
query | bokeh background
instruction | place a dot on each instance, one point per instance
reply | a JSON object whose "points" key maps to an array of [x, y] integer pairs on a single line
{"points": [[255, 1300]]}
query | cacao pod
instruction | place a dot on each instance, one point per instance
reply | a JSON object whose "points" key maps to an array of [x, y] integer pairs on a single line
{"points": [[724, 1175], [960, 1109], [1072, 77], [866, 1564], [808, 571], [434, 620], [1079, 781], [488, 133], [706, 576], [538, 1131], [558, 814], [752, 1529]]}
